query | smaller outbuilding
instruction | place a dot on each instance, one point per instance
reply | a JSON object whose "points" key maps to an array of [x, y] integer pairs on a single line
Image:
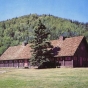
{"points": [[16, 56]]}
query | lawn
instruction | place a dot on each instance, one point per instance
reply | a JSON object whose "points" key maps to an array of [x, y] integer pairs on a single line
{"points": [[44, 78]]}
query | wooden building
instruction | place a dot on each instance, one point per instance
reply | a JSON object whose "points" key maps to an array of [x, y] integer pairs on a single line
{"points": [[16, 56], [73, 52]]}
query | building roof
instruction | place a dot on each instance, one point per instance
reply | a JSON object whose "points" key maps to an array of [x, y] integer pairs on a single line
{"points": [[17, 52], [68, 46]]}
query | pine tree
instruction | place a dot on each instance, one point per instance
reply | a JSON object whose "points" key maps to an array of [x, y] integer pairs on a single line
{"points": [[40, 45]]}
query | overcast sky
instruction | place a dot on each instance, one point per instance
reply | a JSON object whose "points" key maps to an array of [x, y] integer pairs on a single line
{"points": [[70, 9]]}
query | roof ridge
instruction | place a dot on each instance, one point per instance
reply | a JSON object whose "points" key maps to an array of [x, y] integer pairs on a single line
{"points": [[74, 37]]}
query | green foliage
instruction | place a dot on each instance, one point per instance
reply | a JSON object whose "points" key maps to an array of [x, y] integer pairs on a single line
{"points": [[2, 49], [18, 29], [40, 44]]}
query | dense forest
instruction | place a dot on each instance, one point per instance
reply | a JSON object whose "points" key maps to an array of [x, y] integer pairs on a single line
{"points": [[16, 30]]}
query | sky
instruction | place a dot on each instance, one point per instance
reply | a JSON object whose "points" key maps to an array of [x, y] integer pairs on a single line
{"points": [[69, 9]]}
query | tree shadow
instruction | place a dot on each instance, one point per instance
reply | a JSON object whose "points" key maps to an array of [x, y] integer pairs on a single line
{"points": [[55, 51], [52, 63]]}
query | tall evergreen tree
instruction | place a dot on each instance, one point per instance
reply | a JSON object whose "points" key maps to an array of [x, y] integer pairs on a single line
{"points": [[40, 45]]}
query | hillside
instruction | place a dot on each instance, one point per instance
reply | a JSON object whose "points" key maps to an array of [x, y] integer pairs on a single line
{"points": [[15, 31]]}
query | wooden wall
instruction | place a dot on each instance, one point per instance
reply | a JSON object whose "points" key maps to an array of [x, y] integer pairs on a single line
{"points": [[80, 58], [81, 55], [66, 61], [15, 63]]}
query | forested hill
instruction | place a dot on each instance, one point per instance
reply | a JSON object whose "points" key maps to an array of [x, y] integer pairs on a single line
{"points": [[15, 31]]}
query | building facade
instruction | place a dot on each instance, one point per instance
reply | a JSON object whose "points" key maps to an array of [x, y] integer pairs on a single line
{"points": [[72, 52], [16, 56]]}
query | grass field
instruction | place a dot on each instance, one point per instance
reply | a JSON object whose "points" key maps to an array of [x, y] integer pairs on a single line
{"points": [[44, 78]]}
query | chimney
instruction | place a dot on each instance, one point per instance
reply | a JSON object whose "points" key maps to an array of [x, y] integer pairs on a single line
{"points": [[61, 38], [25, 43]]}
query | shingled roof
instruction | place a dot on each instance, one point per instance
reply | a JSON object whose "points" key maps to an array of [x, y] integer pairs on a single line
{"points": [[17, 52], [68, 46]]}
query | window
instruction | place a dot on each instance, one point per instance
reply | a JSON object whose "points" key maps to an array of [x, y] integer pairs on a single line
{"points": [[10, 61], [75, 58], [15, 61], [67, 58], [60, 59], [6, 62], [20, 61], [1, 62]]}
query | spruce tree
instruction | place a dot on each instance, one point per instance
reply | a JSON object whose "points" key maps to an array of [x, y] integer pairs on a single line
{"points": [[40, 45]]}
